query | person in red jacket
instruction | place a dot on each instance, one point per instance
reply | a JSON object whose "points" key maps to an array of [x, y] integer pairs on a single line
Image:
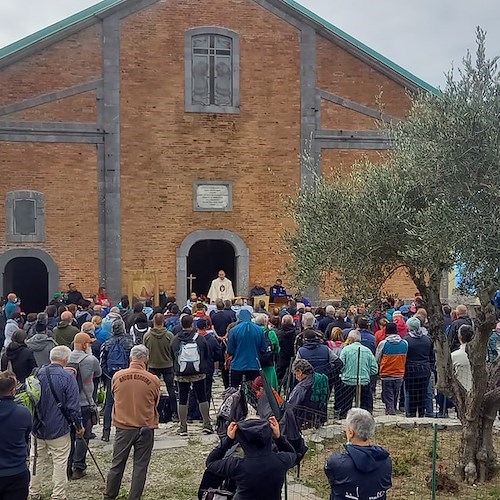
{"points": [[398, 318]]}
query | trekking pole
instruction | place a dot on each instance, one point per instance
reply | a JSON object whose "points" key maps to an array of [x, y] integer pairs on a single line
{"points": [[35, 455], [358, 386], [94, 460]]}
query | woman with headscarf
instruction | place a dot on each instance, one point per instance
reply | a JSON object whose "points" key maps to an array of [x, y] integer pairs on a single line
{"points": [[19, 356]]}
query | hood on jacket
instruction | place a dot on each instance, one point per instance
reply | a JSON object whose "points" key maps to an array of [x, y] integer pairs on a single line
{"points": [[288, 329], [367, 458], [312, 343], [393, 339], [118, 328], [14, 349], [63, 324], [255, 436], [186, 334], [244, 316], [158, 332], [39, 342]]}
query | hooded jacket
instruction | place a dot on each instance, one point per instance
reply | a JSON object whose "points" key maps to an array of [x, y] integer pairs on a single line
{"points": [[246, 343], [202, 348], [391, 356], [14, 437], [253, 480], [321, 357], [10, 327], [41, 345], [420, 358], [107, 322], [64, 333], [21, 358], [159, 341], [360, 472]]}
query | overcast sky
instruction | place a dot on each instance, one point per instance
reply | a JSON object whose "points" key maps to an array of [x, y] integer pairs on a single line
{"points": [[423, 36]]}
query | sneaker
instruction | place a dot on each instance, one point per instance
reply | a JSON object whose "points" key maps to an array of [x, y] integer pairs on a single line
{"points": [[207, 429], [182, 431], [78, 474], [105, 436]]}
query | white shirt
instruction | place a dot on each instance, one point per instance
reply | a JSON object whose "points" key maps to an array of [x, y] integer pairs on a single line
{"points": [[461, 367]]}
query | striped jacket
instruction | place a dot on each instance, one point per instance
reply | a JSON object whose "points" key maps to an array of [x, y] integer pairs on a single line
{"points": [[391, 356]]}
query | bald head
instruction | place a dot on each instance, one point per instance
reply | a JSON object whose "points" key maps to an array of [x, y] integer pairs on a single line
{"points": [[461, 310], [66, 316]]}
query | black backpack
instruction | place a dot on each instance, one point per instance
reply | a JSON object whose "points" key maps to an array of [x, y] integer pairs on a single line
{"points": [[269, 357]]}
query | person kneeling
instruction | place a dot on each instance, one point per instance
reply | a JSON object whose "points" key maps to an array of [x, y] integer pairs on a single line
{"points": [[261, 472], [364, 470]]}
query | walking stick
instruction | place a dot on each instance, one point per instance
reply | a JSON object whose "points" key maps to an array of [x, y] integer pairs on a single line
{"points": [[93, 459], [35, 456]]}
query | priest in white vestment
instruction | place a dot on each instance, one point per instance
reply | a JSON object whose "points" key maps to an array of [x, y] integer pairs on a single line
{"points": [[221, 288]]}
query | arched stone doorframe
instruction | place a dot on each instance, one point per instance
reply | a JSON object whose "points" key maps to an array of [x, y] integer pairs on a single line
{"points": [[241, 254], [52, 268]]}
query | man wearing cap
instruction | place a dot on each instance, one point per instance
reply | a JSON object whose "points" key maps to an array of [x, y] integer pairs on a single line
{"points": [[87, 368]]}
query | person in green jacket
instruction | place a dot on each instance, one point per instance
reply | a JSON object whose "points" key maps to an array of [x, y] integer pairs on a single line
{"points": [[359, 366], [158, 340], [65, 332], [269, 369]]}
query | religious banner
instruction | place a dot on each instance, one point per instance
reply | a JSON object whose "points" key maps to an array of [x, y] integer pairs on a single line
{"points": [[142, 286]]}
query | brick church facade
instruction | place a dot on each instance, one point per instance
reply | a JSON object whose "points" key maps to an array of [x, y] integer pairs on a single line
{"points": [[157, 134]]}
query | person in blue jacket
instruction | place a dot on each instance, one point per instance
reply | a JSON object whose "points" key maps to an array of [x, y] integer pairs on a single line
{"points": [[14, 441], [246, 344], [364, 470]]}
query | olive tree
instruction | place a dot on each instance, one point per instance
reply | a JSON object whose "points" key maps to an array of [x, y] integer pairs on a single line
{"points": [[431, 204]]}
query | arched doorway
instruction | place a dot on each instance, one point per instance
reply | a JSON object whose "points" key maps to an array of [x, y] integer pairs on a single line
{"points": [[241, 273], [28, 278], [32, 274], [205, 259]]}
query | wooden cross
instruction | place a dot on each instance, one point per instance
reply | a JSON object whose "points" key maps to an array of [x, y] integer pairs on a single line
{"points": [[191, 278]]}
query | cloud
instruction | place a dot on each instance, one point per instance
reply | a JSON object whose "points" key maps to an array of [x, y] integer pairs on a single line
{"points": [[423, 36]]}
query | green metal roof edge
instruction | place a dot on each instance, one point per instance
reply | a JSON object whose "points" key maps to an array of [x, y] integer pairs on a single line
{"points": [[106, 4], [360, 45], [87, 13]]}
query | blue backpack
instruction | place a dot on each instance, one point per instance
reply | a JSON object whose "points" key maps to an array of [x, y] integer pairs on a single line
{"points": [[117, 358]]}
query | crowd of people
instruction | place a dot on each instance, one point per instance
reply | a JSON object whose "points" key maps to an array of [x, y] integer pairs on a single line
{"points": [[78, 351]]}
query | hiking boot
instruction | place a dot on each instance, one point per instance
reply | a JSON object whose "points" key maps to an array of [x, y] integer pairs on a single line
{"points": [[105, 436], [182, 431], [207, 429], [78, 474]]}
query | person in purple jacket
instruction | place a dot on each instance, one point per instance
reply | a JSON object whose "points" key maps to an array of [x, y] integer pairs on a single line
{"points": [[57, 411]]}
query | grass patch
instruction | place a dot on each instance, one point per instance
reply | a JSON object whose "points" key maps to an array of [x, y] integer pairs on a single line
{"points": [[411, 452]]}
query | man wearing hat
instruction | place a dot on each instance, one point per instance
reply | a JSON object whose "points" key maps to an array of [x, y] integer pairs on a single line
{"points": [[87, 368]]}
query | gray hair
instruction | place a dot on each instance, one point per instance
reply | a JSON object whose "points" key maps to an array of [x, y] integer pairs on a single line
{"points": [[287, 319], [60, 353], [88, 327], [261, 319], [354, 335], [139, 353], [303, 365], [308, 320], [330, 311], [42, 318], [362, 423]]}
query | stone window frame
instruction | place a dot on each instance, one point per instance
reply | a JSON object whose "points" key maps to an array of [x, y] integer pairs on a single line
{"points": [[39, 200], [188, 64]]}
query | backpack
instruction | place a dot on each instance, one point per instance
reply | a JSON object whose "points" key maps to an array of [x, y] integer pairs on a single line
{"points": [[171, 322], [29, 395], [188, 357], [117, 358], [268, 358], [233, 409]]}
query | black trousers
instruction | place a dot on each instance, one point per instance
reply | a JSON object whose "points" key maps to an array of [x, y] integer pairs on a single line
{"points": [[237, 376], [142, 441], [168, 377], [15, 487], [198, 387]]}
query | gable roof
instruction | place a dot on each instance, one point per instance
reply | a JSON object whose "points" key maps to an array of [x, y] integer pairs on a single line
{"points": [[19, 49]]}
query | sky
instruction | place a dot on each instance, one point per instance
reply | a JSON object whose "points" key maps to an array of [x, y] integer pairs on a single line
{"points": [[424, 36]]}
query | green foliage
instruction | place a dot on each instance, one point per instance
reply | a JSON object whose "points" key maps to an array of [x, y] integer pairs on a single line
{"points": [[432, 204]]}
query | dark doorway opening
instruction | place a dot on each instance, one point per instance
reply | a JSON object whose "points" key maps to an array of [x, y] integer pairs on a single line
{"points": [[206, 258], [28, 278]]}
